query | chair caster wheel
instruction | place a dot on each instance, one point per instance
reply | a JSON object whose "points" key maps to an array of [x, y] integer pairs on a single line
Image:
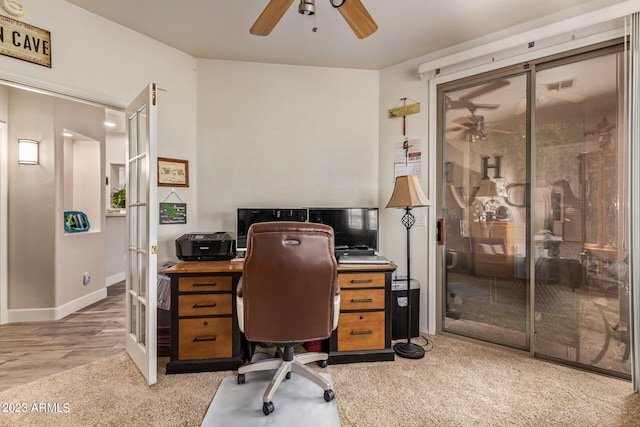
{"points": [[268, 408], [288, 376], [241, 379], [323, 363], [328, 395]]}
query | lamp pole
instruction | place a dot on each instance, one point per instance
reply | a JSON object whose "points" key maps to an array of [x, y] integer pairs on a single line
{"points": [[408, 350], [407, 194]]}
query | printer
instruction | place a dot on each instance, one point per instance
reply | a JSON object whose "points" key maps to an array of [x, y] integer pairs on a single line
{"points": [[216, 246]]}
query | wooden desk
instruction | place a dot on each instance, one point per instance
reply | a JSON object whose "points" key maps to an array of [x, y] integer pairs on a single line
{"points": [[204, 326]]}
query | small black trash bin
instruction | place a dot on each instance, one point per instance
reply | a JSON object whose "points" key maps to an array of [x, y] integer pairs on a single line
{"points": [[399, 308]]}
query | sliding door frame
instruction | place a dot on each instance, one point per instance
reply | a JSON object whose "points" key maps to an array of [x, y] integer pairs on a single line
{"points": [[438, 85]]}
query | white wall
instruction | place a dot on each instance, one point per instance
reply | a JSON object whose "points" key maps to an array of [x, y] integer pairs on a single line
{"points": [[402, 81], [284, 136], [31, 203], [79, 253]]}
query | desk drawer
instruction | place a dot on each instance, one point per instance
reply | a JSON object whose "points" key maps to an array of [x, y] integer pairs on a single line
{"points": [[362, 299], [205, 283], [204, 304], [367, 280], [205, 338], [361, 331]]}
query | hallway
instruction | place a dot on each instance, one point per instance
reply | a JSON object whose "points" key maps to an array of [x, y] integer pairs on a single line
{"points": [[33, 350]]}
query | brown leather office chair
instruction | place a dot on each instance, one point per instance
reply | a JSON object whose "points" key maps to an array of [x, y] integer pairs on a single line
{"points": [[288, 294]]}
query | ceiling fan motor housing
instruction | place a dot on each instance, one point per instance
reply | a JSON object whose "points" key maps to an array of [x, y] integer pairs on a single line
{"points": [[307, 7]]}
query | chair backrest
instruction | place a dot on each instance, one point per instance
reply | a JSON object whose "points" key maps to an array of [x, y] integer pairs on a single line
{"points": [[289, 282]]}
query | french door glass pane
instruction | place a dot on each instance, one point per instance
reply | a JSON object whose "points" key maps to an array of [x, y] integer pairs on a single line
{"points": [[143, 327], [486, 291], [581, 264], [141, 138], [133, 136], [133, 308]]}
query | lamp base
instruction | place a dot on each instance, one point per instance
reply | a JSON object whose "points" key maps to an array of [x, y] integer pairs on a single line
{"points": [[409, 350]]}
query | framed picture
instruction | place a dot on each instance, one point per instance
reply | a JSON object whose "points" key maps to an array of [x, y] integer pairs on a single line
{"points": [[173, 172]]}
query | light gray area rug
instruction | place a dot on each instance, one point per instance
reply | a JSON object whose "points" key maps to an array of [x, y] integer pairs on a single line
{"points": [[298, 402]]}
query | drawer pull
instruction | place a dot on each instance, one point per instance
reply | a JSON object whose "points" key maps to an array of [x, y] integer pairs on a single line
{"points": [[205, 305], [205, 339], [200, 285], [362, 281], [361, 300], [369, 332]]}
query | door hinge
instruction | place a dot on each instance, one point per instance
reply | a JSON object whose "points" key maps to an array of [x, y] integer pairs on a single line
{"points": [[154, 250]]}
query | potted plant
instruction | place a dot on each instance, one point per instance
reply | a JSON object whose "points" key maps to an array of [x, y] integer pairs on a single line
{"points": [[119, 198]]}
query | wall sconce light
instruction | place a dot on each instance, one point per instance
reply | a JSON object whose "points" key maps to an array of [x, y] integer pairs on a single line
{"points": [[27, 152]]}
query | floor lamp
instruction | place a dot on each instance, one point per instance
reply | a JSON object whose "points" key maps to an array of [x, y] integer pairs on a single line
{"points": [[407, 194]]}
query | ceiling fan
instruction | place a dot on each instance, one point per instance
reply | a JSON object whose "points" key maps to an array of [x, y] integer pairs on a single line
{"points": [[473, 128], [465, 100], [353, 11]]}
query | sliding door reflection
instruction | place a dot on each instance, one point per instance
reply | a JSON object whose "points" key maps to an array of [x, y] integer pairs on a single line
{"points": [[534, 193], [581, 260], [485, 155]]}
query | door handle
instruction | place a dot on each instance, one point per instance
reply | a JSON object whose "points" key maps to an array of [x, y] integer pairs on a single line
{"points": [[440, 231]]}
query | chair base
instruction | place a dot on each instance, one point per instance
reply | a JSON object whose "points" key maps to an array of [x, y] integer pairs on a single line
{"points": [[297, 364]]}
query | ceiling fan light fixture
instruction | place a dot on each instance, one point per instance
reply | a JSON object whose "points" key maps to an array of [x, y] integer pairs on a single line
{"points": [[307, 7], [336, 3]]}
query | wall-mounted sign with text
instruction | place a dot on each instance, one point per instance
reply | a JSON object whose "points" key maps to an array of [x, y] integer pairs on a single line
{"points": [[25, 42], [173, 213]]}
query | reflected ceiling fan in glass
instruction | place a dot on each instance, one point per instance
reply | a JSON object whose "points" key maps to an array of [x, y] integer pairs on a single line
{"points": [[473, 128]]}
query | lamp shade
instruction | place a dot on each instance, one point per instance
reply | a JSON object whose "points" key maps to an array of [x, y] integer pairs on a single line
{"points": [[487, 188], [407, 193], [27, 152]]}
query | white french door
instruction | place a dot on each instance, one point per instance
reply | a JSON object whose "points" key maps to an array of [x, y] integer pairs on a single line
{"points": [[142, 249]]}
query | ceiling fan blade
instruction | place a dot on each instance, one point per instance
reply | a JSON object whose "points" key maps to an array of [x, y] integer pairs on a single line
{"points": [[463, 121], [270, 17], [454, 129], [358, 18], [485, 89], [487, 106]]}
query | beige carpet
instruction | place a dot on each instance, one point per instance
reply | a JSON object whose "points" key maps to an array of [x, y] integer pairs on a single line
{"points": [[456, 384]]}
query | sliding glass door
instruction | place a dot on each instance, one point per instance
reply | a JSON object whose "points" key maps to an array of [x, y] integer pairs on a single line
{"points": [[485, 180], [580, 215], [534, 196]]}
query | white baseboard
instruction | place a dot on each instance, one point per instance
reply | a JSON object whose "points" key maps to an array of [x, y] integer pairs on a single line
{"points": [[116, 278], [56, 313]]}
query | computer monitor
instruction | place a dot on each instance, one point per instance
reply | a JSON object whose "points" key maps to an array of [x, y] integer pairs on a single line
{"points": [[247, 216], [355, 229]]}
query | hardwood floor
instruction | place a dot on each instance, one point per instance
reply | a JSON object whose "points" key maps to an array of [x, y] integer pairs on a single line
{"points": [[33, 350]]}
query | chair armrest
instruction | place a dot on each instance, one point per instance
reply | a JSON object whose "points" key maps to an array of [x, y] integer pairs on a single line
{"points": [[240, 312]]}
